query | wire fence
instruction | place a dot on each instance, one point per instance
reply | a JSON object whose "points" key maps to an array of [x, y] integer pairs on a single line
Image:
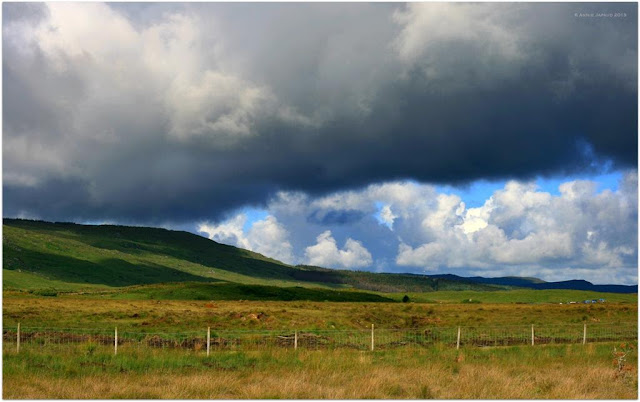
{"points": [[208, 340]]}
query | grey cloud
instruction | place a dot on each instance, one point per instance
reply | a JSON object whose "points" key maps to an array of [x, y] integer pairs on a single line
{"points": [[33, 12], [335, 217], [330, 102]]}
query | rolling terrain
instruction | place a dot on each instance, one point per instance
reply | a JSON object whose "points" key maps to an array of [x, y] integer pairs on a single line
{"points": [[124, 262], [66, 257]]}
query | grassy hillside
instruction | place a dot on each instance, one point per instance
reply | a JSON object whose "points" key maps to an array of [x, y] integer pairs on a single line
{"points": [[386, 282], [122, 256], [71, 257], [21, 280]]}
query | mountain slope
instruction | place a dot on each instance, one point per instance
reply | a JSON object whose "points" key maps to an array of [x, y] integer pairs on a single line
{"points": [[122, 256], [387, 282], [115, 256]]}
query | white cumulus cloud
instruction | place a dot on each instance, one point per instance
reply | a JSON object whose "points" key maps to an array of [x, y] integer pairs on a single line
{"points": [[520, 226], [580, 232], [325, 253], [267, 236]]}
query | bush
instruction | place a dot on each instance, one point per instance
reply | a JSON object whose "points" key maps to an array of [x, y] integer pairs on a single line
{"points": [[406, 299], [48, 293]]}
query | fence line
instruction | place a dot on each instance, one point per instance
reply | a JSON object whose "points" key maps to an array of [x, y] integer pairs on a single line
{"points": [[359, 339]]}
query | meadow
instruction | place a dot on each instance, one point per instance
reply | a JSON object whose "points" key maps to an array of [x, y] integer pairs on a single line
{"points": [[89, 370], [191, 315], [541, 372]]}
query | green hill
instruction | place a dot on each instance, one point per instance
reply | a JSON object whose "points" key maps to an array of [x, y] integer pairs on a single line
{"points": [[386, 282], [71, 257]]}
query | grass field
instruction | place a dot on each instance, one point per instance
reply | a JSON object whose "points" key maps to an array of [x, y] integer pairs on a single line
{"points": [[437, 371], [516, 296], [543, 372], [190, 315]]}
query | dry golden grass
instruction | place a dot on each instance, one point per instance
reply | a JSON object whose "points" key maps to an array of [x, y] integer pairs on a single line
{"points": [[148, 315], [551, 372], [375, 383]]}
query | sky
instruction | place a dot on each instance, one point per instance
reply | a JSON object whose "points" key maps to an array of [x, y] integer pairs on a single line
{"points": [[468, 138]]}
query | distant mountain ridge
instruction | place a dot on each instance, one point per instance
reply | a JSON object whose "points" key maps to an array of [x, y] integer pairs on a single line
{"points": [[536, 283]]}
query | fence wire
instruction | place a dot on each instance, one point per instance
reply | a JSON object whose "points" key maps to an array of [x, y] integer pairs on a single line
{"points": [[357, 339]]}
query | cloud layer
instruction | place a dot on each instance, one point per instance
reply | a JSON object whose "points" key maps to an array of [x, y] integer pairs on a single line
{"points": [[152, 113], [579, 232]]}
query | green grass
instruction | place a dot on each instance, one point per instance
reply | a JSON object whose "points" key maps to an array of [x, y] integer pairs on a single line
{"points": [[84, 359], [93, 311], [87, 359], [388, 282], [542, 372], [121, 256], [197, 291], [17, 280], [517, 296]]}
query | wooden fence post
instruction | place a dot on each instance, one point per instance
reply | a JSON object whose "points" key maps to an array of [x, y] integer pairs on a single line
{"points": [[208, 339], [532, 336], [372, 337], [115, 342], [584, 335], [295, 340], [458, 341], [18, 340]]}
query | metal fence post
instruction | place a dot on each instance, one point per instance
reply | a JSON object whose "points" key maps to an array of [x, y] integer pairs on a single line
{"points": [[208, 339], [115, 342], [18, 340], [372, 337], [458, 341], [532, 336]]}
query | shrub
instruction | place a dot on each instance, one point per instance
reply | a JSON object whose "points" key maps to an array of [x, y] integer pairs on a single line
{"points": [[48, 293], [620, 359], [406, 299]]}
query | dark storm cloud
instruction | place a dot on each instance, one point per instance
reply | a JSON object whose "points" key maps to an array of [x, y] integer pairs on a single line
{"points": [[216, 106], [32, 12]]}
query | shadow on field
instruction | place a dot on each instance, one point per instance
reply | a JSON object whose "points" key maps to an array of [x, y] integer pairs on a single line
{"points": [[110, 271]]}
